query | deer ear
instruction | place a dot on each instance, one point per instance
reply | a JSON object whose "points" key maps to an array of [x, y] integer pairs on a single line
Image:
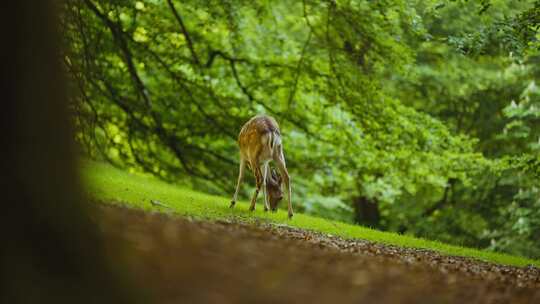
{"points": [[274, 174], [278, 178]]}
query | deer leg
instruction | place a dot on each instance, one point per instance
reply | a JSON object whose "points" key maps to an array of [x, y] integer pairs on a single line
{"points": [[280, 162], [240, 177], [258, 181], [265, 191]]}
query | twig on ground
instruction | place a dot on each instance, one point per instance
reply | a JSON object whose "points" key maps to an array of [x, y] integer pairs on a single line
{"points": [[159, 204]]}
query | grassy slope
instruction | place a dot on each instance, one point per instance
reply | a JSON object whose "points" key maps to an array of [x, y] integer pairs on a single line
{"points": [[108, 184]]}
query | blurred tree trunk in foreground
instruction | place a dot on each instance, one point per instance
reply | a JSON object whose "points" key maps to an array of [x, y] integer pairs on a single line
{"points": [[52, 252]]}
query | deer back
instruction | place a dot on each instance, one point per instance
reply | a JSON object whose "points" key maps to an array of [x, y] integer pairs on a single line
{"points": [[259, 139]]}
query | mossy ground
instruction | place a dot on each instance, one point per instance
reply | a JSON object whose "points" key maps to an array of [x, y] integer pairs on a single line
{"points": [[108, 184]]}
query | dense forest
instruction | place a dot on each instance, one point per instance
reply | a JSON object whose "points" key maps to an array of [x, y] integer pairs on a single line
{"points": [[421, 117]]}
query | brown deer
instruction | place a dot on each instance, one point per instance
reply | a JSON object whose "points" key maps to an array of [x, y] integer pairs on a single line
{"points": [[260, 142]]}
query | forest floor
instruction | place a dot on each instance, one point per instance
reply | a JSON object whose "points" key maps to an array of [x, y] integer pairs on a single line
{"points": [[112, 186], [176, 259]]}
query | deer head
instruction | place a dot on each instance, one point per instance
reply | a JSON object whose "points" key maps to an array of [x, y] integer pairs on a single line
{"points": [[273, 188]]}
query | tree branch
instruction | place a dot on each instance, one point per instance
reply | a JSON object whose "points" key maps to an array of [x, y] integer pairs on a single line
{"points": [[185, 33], [297, 72], [440, 204]]}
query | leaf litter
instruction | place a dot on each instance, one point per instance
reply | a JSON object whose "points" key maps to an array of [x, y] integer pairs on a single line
{"points": [[178, 260]]}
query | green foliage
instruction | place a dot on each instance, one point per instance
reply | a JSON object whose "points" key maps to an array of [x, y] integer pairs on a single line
{"points": [[428, 109], [489, 94]]}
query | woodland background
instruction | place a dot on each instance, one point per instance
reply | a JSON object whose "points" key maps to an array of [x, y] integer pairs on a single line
{"points": [[421, 117]]}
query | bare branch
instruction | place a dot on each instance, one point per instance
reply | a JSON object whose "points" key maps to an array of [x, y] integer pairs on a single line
{"points": [[184, 32]]}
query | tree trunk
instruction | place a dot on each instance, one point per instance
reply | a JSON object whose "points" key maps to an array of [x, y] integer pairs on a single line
{"points": [[51, 251], [366, 212]]}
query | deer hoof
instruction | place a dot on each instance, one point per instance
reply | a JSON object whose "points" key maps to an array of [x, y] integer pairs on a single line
{"points": [[290, 215], [232, 204], [251, 208], [265, 209]]}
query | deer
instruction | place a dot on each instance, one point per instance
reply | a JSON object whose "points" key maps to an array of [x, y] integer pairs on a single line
{"points": [[260, 142]]}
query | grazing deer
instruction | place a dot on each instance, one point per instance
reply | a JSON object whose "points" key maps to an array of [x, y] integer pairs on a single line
{"points": [[260, 142]]}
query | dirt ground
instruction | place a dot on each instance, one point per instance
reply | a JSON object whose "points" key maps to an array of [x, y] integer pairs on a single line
{"points": [[178, 260]]}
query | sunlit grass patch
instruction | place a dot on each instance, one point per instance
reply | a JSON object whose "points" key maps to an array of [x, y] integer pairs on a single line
{"points": [[110, 185]]}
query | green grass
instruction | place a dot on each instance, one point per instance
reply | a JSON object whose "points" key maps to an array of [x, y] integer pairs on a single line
{"points": [[110, 185]]}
